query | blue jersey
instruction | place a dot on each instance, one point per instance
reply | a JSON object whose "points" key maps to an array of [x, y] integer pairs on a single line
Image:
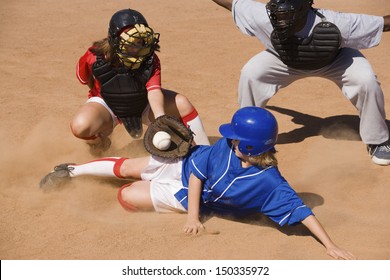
{"points": [[230, 189]]}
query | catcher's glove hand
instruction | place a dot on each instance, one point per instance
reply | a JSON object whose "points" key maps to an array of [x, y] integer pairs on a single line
{"points": [[181, 137]]}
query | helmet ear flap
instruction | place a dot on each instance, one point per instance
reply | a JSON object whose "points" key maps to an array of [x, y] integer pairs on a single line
{"points": [[246, 148]]}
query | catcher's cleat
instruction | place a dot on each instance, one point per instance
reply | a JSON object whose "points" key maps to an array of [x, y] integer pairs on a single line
{"points": [[97, 149], [380, 154], [57, 177]]}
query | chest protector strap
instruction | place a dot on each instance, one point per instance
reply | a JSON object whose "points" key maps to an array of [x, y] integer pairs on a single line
{"points": [[314, 52], [124, 92]]}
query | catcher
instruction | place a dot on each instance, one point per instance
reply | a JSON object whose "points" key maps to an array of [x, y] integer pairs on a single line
{"points": [[123, 74], [237, 176]]}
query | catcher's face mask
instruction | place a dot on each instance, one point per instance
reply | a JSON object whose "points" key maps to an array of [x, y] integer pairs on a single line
{"points": [[135, 44], [285, 15]]}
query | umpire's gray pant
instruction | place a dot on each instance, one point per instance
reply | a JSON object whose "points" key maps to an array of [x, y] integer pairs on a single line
{"points": [[264, 74]]}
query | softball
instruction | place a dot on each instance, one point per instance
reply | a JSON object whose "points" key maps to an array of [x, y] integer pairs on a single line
{"points": [[162, 140]]}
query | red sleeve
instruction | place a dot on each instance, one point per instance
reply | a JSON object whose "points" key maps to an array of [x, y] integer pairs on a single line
{"points": [[84, 67], [155, 80]]}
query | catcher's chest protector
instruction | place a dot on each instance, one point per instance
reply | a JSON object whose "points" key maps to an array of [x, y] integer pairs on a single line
{"points": [[314, 52], [125, 93]]}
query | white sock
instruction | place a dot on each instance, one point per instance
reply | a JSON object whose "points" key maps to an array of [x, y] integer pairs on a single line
{"points": [[194, 122], [103, 167]]}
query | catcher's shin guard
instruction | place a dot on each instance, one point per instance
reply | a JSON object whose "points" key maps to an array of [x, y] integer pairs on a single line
{"points": [[133, 125], [127, 206]]}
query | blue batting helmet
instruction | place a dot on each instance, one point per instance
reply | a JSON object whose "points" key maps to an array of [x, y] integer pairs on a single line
{"points": [[255, 127]]}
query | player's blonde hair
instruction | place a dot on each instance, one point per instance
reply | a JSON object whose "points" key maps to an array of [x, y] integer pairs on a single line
{"points": [[264, 160]]}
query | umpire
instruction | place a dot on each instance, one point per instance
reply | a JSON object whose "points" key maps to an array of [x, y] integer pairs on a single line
{"points": [[302, 41]]}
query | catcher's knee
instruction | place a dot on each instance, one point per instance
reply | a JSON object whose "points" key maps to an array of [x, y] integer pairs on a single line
{"points": [[80, 128], [124, 199], [183, 104]]}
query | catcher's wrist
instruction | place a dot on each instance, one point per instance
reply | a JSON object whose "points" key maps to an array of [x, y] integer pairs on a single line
{"points": [[156, 116]]}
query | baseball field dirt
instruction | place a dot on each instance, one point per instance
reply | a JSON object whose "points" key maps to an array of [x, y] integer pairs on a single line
{"points": [[202, 52]]}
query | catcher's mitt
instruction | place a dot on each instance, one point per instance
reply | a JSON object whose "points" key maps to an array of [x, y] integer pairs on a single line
{"points": [[181, 137]]}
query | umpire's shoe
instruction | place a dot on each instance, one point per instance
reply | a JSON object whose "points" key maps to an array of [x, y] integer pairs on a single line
{"points": [[380, 154], [57, 177]]}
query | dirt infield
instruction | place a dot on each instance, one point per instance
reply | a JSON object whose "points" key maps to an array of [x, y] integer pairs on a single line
{"points": [[202, 52]]}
